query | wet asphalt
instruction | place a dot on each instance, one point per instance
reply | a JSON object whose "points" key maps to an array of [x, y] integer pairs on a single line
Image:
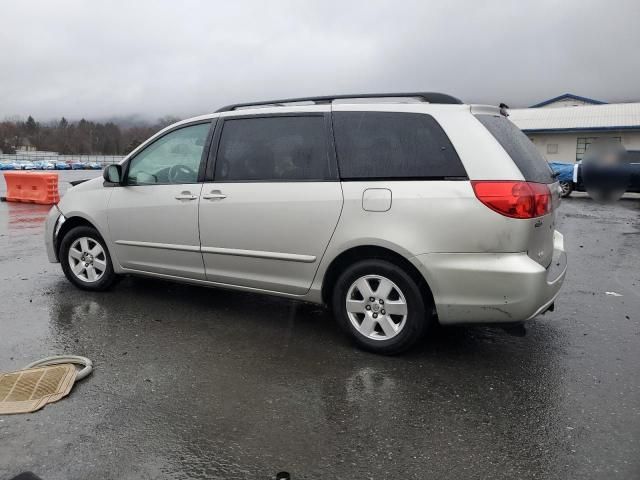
{"points": [[193, 382]]}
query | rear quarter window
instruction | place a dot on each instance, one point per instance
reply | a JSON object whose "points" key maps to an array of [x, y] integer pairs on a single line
{"points": [[525, 155], [633, 156], [389, 145]]}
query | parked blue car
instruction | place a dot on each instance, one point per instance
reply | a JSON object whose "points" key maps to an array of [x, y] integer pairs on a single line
{"points": [[564, 171], [78, 165], [63, 166], [570, 174], [564, 175], [94, 166], [7, 166]]}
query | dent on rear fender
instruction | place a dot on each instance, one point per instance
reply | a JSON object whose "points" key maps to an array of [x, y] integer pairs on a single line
{"points": [[502, 241], [334, 250], [483, 287]]}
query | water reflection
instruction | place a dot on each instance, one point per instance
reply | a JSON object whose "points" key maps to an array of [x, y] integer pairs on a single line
{"points": [[367, 384], [23, 218]]}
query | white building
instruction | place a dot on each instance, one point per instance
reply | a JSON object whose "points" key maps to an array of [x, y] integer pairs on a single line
{"points": [[563, 127]]}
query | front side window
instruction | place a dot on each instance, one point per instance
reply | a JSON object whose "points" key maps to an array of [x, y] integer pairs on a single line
{"points": [[388, 145], [173, 158], [288, 148]]}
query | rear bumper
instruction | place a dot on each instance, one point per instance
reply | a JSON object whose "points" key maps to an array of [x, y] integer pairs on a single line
{"points": [[492, 287]]}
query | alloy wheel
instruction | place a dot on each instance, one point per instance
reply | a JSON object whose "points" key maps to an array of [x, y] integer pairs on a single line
{"points": [[376, 307], [87, 259]]}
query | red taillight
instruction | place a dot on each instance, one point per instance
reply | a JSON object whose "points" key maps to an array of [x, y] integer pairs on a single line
{"points": [[514, 199]]}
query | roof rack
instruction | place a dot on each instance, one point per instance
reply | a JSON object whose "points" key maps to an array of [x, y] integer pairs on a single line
{"points": [[430, 97]]}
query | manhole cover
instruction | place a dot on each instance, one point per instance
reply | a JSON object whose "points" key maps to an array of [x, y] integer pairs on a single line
{"points": [[31, 389]]}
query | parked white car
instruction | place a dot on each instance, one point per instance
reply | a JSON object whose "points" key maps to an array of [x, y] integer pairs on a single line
{"points": [[399, 211], [26, 165]]}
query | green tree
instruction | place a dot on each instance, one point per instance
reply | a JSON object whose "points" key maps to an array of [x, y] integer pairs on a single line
{"points": [[31, 126]]}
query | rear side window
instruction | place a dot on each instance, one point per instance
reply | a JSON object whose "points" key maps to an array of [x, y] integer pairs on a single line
{"points": [[388, 145], [525, 155], [273, 149], [633, 156]]}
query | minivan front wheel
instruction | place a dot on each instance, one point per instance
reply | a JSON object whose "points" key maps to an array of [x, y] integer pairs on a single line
{"points": [[85, 259], [381, 306]]}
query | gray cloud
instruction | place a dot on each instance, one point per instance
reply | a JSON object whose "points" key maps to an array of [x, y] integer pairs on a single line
{"points": [[117, 58]]}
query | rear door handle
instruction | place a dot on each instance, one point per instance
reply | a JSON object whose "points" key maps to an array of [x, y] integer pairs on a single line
{"points": [[214, 195], [186, 195]]}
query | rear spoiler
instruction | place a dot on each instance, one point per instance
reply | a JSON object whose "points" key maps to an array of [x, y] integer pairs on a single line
{"points": [[490, 110], [485, 110]]}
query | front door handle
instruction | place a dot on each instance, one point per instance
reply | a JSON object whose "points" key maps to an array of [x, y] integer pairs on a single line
{"points": [[214, 195], [186, 195]]}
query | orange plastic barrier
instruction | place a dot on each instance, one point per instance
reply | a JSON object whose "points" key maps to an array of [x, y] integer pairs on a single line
{"points": [[32, 187]]}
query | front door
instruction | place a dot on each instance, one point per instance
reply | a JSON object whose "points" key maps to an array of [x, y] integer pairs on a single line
{"points": [[153, 219], [267, 216]]}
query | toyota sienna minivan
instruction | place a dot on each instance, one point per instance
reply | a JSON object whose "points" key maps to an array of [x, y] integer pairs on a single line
{"points": [[397, 210]]}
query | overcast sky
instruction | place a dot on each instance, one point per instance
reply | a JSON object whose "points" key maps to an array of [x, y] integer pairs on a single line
{"points": [[117, 58]]}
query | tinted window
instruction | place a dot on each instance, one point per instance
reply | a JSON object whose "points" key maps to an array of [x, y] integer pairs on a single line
{"points": [[273, 148], [633, 156], [173, 158], [525, 155], [393, 145]]}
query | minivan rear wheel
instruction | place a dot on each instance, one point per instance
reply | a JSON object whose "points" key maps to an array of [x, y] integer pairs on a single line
{"points": [[380, 306], [85, 259]]}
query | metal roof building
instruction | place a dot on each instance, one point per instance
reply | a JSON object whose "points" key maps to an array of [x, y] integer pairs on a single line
{"points": [[614, 116], [563, 128], [567, 100]]}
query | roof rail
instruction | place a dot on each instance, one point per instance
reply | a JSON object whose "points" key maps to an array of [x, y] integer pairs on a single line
{"points": [[430, 97]]}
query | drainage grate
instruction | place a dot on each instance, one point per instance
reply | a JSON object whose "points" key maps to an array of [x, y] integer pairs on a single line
{"points": [[29, 390]]}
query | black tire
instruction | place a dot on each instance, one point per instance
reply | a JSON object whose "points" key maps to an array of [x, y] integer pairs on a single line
{"points": [[566, 188], [108, 277], [419, 315]]}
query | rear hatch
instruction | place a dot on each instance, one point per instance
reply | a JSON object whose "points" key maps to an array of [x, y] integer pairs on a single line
{"points": [[538, 175]]}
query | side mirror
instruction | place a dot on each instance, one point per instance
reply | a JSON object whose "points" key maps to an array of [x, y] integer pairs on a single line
{"points": [[112, 174]]}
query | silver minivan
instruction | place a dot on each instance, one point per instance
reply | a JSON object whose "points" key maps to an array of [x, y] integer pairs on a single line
{"points": [[397, 210]]}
